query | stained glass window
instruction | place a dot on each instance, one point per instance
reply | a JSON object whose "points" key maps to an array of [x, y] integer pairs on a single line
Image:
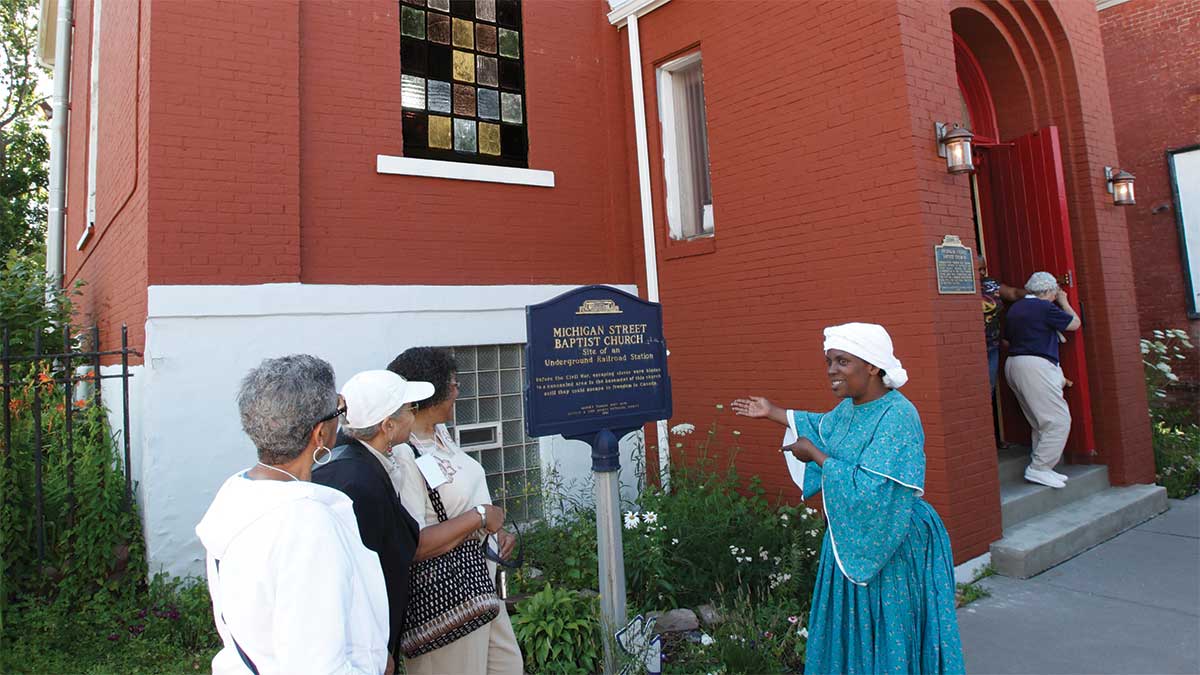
{"points": [[462, 82]]}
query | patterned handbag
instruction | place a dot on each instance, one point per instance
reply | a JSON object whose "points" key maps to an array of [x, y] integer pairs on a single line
{"points": [[451, 595]]}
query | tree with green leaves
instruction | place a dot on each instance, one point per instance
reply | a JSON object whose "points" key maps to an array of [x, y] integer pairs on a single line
{"points": [[24, 151]]}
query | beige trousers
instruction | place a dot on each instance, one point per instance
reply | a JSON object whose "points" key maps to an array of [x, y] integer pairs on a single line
{"points": [[1038, 386], [491, 650]]}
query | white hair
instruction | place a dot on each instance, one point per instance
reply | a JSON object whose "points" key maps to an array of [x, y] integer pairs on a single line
{"points": [[1041, 282]]}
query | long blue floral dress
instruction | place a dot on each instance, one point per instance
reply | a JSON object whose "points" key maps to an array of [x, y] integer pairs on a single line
{"points": [[883, 601]]}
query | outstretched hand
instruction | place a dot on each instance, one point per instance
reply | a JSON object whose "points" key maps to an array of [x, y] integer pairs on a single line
{"points": [[752, 406], [805, 451]]}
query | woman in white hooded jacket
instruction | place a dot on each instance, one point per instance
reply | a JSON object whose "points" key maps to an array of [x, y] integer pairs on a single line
{"points": [[293, 588]]}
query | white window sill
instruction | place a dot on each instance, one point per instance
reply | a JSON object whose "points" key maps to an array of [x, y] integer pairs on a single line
{"points": [[432, 168]]}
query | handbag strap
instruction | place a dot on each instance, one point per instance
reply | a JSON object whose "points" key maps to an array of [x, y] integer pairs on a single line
{"points": [[241, 652], [434, 497]]}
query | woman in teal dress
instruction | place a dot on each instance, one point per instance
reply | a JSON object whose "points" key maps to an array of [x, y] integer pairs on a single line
{"points": [[883, 601]]}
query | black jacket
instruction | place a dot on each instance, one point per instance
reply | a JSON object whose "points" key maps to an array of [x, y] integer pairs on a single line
{"points": [[385, 525]]}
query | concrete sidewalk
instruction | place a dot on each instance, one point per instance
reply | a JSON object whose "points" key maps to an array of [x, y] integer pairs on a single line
{"points": [[1130, 605]]}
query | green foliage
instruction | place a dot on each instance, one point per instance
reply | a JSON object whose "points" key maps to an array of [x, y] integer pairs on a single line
{"points": [[166, 627], [1177, 458], [1175, 434], [1159, 358], [559, 631], [32, 305], [758, 635], [23, 149]]}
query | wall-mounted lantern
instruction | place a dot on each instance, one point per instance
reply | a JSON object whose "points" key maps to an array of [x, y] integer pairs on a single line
{"points": [[1120, 186], [954, 143]]}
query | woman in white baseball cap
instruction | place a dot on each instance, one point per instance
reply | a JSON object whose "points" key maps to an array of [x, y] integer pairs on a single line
{"points": [[379, 415]]}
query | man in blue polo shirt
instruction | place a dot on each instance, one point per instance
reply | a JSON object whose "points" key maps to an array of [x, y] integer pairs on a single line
{"points": [[1034, 325]]}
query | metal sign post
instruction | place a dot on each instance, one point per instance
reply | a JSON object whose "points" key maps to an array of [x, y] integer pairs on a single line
{"points": [[596, 370]]}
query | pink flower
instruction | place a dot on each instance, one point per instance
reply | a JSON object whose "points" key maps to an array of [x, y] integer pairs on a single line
{"points": [[793, 619]]}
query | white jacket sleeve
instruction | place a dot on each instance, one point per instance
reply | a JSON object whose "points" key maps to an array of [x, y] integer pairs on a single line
{"points": [[314, 620]]}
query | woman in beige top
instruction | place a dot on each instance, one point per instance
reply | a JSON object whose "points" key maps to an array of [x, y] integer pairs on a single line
{"points": [[461, 484]]}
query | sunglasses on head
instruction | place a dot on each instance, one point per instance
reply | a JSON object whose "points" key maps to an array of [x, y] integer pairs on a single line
{"points": [[337, 412]]}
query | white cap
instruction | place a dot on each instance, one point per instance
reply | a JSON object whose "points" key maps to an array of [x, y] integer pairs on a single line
{"points": [[373, 395]]}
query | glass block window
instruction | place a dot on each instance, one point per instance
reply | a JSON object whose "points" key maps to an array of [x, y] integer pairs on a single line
{"points": [[489, 424], [462, 81]]}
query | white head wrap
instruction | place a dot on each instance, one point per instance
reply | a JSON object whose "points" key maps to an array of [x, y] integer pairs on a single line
{"points": [[871, 343]]}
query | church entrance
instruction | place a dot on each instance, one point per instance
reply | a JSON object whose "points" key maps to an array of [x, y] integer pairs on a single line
{"points": [[1022, 226]]}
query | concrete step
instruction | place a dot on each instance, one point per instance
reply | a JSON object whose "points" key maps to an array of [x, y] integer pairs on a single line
{"points": [[1021, 500], [1041, 542], [1013, 461]]}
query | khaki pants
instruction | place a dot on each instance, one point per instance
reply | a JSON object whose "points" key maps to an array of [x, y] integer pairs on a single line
{"points": [[1038, 386]]}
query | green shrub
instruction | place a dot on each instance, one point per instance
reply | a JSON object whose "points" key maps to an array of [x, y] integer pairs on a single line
{"points": [[1177, 458], [559, 631], [1176, 436], [763, 635]]}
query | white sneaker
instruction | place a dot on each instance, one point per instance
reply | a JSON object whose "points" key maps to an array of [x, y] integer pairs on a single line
{"points": [[1061, 476], [1046, 478]]}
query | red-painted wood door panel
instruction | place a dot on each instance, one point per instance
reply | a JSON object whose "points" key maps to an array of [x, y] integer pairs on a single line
{"points": [[1032, 232]]}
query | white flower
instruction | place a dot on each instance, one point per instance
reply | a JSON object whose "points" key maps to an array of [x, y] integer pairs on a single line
{"points": [[720, 407], [813, 533], [810, 511], [803, 632], [683, 429], [674, 542], [706, 639], [650, 517], [736, 432], [783, 517], [762, 553], [631, 520]]}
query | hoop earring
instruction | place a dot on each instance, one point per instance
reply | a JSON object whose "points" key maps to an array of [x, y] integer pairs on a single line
{"points": [[328, 456]]}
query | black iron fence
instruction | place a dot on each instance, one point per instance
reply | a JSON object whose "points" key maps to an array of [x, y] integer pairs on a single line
{"points": [[48, 381]]}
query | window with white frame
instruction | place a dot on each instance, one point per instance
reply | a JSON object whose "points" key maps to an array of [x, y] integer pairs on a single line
{"points": [[489, 425], [685, 147]]}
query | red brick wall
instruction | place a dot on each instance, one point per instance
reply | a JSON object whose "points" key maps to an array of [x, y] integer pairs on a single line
{"points": [[812, 229], [1152, 53], [267, 119], [225, 143], [113, 261]]}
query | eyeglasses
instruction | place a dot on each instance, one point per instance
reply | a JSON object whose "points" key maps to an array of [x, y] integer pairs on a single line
{"points": [[337, 412]]}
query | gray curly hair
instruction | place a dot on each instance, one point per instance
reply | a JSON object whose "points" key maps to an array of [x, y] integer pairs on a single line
{"points": [[281, 400], [1041, 282]]}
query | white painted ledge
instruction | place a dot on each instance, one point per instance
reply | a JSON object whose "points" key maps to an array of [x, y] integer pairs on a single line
{"points": [[622, 10], [432, 168]]}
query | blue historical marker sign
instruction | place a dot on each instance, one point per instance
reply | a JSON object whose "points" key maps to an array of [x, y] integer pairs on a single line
{"points": [[595, 359]]}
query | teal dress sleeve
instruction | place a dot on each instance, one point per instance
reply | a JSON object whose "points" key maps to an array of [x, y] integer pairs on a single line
{"points": [[806, 475], [869, 502]]}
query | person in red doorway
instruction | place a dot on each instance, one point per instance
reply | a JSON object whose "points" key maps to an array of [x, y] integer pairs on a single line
{"points": [[1034, 329], [996, 296]]}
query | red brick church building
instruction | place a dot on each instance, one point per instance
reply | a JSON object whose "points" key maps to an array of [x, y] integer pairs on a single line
{"points": [[247, 179]]}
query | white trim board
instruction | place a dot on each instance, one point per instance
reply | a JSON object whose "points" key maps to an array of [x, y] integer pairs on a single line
{"points": [[621, 11], [205, 301], [484, 173]]}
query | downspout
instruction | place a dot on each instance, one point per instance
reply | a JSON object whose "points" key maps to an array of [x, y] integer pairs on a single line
{"points": [[648, 244], [56, 210]]}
